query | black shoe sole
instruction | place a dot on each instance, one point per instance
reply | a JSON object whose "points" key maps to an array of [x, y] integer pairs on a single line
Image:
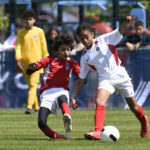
{"points": [[27, 112], [89, 137]]}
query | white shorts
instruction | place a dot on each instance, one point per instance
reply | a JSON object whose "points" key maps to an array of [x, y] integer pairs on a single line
{"points": [[119, 81], [49, 98]]}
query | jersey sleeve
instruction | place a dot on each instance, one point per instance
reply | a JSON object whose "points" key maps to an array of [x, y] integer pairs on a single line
{"points": [[84, 68], [43, 63], [44, 45], [112, 38], [18, 48], [76, 68]]}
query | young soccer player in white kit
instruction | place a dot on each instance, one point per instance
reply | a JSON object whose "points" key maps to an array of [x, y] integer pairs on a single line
{"points": [[100, 54], [54, 87]]}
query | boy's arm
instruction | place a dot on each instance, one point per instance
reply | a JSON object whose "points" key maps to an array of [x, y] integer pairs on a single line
{"points": [[44, 45], [130, 46], [32, 67], [77, 86], [76, 68], [79, 48], [137, 46], [42, 63], [84, 69], [129, 21], [18, 48], [18, 56], [114, 37]]}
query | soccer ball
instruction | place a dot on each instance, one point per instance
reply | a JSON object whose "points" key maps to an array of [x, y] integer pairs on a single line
{"points": [[109, 134]]}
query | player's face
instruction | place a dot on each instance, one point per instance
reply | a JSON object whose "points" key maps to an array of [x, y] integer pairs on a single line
{"points": [[63, 52], [139, 30], [53, 34], [29, 22], [86, 38]]}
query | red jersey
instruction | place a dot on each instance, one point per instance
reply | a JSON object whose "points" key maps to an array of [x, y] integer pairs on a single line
{"points": [[57, 72]]}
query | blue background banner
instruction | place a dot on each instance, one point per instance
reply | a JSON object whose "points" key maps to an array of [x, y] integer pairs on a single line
{"points": [[13, 88]]}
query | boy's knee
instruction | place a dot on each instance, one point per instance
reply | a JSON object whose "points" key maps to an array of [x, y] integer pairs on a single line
{"points": [[62, 99]]}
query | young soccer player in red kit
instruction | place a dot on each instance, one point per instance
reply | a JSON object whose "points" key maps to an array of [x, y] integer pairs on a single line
{"points": [[100, 54], [54, 87]]}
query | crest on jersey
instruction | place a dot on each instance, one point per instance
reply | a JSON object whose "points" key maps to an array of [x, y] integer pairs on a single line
{"points": [[35, 36], [87, 59], [97, 48], [67, 66]]}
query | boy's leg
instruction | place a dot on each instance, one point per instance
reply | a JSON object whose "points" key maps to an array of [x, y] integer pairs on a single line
{"points": [[139, 113], [31, 96], [32, 81], [36, 105], [42, 123], [99, 117], [101, 100], [63, 104]]}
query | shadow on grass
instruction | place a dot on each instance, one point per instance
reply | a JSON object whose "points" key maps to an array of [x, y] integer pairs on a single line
{"points": [[27, 139], [44, 139], [78, 139]]}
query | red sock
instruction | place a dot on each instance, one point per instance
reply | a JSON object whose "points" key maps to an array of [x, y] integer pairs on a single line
{"points": [[48, 132], [65, 109], [140, 113], [99, 117]]}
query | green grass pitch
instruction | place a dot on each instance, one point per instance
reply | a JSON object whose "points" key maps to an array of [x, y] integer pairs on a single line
{"points": [[20, 132]]}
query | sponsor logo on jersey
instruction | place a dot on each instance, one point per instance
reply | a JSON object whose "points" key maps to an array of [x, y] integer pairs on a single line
{"points": [[67, 66], [35, 37], [87, 59], [95, 42], [53, 63], [97, 48]]}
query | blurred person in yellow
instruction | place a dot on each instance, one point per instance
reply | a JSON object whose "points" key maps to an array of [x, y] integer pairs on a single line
{"points": [[30, 47]]}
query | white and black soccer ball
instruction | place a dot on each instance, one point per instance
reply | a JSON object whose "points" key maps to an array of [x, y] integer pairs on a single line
{"points": [[109, 134]]}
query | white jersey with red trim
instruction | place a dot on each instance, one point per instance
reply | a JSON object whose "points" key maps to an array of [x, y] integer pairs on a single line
{"points": [[57, 72], [102, 56]]}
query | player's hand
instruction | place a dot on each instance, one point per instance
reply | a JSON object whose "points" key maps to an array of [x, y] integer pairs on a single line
{"points": [[137, 46], [74, 103], [131, 20], [29, 71], [73, 52], [32, 67], [19, 66]]}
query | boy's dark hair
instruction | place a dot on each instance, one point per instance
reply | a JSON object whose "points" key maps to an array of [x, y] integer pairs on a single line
{"points": [[139, 23], [54, 28], [63, 38], [29, 13], [85, 26]]}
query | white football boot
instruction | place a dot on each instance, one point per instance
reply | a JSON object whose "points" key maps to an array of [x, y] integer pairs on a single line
{"points": [[67, 122]]}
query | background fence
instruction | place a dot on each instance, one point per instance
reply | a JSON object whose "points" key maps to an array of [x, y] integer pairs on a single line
{"points": [[67, 14], [13, 89], [105, 15]]}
